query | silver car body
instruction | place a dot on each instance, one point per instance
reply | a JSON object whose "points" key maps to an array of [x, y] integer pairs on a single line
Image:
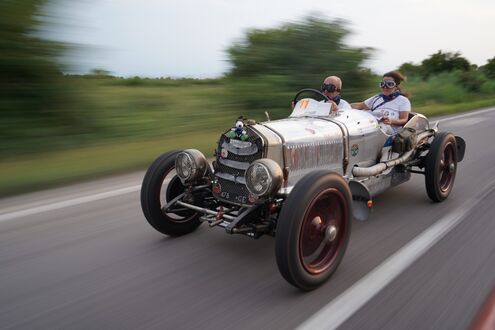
{"points": [[320, 140]]}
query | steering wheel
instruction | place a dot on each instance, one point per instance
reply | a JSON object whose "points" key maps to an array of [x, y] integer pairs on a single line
{"points": [[311, 90]]}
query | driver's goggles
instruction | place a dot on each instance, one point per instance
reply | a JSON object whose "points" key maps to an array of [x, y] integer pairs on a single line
{"points": [[329, 88], [387, 84]]}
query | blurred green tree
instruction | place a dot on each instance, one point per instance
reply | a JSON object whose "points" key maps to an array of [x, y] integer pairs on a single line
{"points": [[444, 62], [98, 72], [411, 70], [270, 65], [489, 68], [35, 100]]}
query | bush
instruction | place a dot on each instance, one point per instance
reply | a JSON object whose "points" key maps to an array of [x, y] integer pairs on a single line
{"points": [[442, 88], [488, 87], [489, 68], [471, 80]]}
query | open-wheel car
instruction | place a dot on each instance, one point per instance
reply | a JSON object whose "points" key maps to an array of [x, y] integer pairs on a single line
{"points": [[300, 179]]}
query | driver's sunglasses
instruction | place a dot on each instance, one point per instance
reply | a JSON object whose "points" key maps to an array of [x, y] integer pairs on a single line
{"points": [[387, 83], [329, 88]]}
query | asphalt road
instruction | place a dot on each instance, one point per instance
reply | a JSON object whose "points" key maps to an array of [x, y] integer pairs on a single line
{"points": [[84, 257]]}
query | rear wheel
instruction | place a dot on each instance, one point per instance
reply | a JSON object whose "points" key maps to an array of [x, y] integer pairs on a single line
{"points": [[313, 229], [441, 166], [160, 186]]}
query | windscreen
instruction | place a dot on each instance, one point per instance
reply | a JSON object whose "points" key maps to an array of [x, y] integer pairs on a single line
{"points": [[310, 108]]}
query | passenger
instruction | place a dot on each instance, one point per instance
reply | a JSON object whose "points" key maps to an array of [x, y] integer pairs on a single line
{"points": [[331, 88], [391, 107]]}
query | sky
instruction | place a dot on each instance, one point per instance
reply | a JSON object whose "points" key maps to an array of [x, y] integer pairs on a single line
{"points": [[188, 38]]}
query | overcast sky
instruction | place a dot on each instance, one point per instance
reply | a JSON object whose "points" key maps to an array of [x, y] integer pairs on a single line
{"points": [[188, 38]]}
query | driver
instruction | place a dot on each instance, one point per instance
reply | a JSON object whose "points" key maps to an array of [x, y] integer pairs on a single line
{"points": [[331, 87]]}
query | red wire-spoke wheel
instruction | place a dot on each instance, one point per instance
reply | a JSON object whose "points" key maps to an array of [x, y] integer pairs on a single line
{"points": [[447, 167], [313, 229], [160, 186], [441, 166], [322, 231]]}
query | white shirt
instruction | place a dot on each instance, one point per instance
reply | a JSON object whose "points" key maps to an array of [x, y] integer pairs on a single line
{"points": [[390, 109], [343, 104]]}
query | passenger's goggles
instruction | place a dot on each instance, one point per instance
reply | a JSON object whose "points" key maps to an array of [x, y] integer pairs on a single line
{"points": [[329, 88], [387, 84]]}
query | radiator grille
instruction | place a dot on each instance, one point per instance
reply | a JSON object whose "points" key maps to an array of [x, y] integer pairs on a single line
{"points": [[227, 150]]}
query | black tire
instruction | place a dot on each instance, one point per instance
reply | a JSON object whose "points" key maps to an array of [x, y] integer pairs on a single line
{"points": [[441, 166], [319, 201], [154, 196]]}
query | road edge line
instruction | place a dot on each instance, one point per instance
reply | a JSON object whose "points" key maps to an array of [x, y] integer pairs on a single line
{"points": [[68, 203]]}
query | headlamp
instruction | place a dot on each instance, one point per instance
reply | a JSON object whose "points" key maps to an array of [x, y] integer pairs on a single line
{"points": [[263, 177], [191, 165]]}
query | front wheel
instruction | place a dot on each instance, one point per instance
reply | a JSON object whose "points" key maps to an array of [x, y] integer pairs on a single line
{"points": [[441, 166], [313, 229], [161, 185]]}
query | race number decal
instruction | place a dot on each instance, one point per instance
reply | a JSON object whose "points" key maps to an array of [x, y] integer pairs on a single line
{"points": [[304, 104]]}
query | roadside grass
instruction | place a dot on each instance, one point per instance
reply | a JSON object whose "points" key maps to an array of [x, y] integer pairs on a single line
{"points": [[436, 109], [141, 112], [115, 111], [60, 167]]}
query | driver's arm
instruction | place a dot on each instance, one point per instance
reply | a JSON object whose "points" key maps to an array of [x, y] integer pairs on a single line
{"points": [[359, 106]]}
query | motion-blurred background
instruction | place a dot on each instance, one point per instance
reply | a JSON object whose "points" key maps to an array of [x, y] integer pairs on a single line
{"points": [[62, 119]]}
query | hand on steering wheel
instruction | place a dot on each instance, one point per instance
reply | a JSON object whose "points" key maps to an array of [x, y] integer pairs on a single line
{"points": [[311, 90], [333, 106]]}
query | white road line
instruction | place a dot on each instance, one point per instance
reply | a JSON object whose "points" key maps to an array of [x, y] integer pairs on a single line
{"points": [[59, 197], [467, 114], [337, 311], [67, 203]]}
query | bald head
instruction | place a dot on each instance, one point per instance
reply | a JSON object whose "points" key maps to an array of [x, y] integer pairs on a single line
{"points": [[334, 80]]}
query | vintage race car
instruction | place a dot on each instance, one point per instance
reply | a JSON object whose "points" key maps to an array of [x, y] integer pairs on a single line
{"points": [[301, 179]]}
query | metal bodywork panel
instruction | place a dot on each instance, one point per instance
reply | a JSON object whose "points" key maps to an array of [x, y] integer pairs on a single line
{"points": [[360, 198], [379, 183], [272, 144], [418, 122], [366, 139], [336, 142], [309, 144]]}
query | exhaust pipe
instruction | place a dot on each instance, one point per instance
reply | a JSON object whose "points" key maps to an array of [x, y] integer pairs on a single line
{"points": [[380, 167]]}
